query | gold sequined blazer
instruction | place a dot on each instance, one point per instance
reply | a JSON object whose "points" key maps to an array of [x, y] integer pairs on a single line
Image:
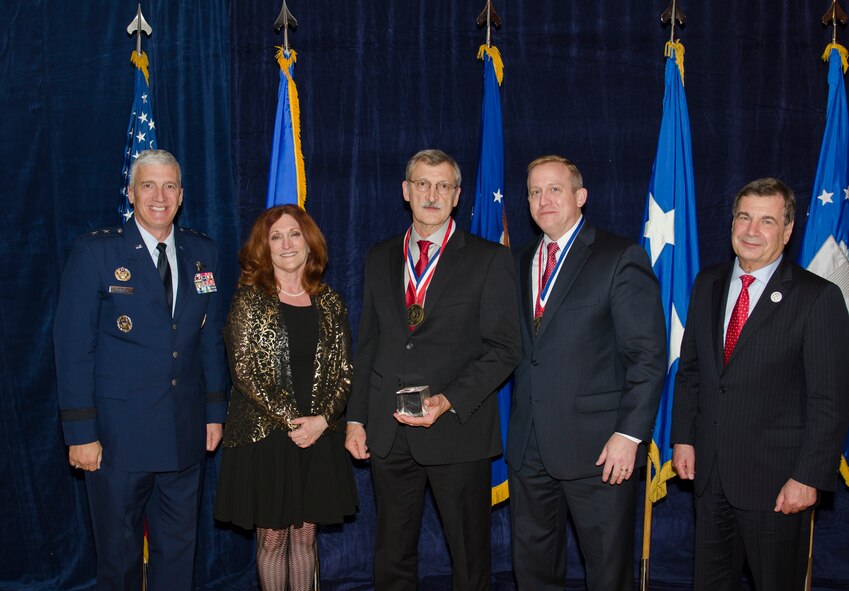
{"points": [[261, 399]]}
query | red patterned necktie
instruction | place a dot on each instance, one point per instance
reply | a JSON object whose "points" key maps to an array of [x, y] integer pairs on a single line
{"points": [[550, 263], [739, 315], [424, 246]]}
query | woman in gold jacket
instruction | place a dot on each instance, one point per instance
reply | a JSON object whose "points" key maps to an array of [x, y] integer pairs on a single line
{"points": [[284, 468]]}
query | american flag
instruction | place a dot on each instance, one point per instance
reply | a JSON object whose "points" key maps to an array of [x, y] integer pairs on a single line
{"points": [[141, 132]]}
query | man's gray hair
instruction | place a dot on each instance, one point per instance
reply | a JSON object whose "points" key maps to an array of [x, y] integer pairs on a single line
{"points": [[433, 158], [155, 157]]}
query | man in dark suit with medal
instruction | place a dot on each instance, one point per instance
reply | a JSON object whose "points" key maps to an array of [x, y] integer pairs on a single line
{"points": [[586, 390], [141, 377], [438, 311], [760, 403]]}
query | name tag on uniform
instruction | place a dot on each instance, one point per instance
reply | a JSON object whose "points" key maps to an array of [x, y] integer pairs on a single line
{"points": [[205, 282], [121, 289]]}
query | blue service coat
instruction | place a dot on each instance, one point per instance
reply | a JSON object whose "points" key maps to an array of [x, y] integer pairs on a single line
{"points": [[129, 375]]}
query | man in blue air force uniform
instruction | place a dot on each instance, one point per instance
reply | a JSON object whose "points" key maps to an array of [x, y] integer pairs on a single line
{"points": [[141, 378]]}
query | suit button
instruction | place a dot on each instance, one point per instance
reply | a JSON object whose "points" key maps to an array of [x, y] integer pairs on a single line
{"points": [[409, 346], [723, 389], [173, 327], [175, 354], [534, 362], [174, 382]]}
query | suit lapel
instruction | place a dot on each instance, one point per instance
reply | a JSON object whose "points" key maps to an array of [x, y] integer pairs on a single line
{"points": [[576, 257], [780, 283], [397, 288], [145, 269], [185, 269], [719, 296], [526, 285], [445, 268]]}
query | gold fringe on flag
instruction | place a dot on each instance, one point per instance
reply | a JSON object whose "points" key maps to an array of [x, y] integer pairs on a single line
{"points": [[661, 474], [676, 48], [295, 108], [844, 470], [140, 61], [495, 56], [841, 50]]}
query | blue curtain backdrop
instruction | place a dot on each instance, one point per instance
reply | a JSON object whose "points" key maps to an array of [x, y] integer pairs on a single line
{"points": [[378, 80]]}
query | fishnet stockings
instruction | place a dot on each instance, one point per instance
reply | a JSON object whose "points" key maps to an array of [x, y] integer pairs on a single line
{"points": [[283, 554]]}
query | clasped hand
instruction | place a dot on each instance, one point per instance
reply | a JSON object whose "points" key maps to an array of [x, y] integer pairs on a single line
{"points": [[308, 430]]}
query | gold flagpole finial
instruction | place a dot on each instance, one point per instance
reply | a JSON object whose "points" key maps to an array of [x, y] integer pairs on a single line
{"points": [[834, 16], [489, 18], [673, 13], [138, 26], [285, 21]]}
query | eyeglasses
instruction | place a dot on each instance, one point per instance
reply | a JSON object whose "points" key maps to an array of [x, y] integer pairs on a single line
{"points": [[423, 186]]}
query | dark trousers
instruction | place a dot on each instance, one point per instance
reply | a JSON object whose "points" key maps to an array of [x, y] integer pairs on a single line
{"points": [[775, 545], [120, 501], [603, 516], [463, 498]]}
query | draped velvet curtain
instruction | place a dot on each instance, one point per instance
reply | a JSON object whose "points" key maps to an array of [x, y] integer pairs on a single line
{"points": [[378, 80]]}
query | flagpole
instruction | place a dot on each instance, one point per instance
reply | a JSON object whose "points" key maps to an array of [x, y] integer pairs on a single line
{"points": [[655, 242], [644, 561], [809, 576]]}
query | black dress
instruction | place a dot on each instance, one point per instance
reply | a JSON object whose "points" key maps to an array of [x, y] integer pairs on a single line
{"points": [[273, 483]]}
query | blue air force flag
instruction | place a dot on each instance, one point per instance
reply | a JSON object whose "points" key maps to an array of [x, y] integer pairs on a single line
{"points": [[141, 131], [671, 239], [286, 175], [488, 217], [827, 230]]}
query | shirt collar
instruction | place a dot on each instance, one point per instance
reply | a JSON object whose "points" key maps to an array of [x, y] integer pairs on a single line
{"points": [[151, 242], [436, 238], [563, 240], [763, 274]]}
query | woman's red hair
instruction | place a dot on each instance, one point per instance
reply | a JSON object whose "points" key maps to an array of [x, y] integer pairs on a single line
{"points": [[255, 256]]}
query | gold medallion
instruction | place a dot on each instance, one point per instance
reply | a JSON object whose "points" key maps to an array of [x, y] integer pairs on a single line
{"points": [[125, 324], [537, 320], [415, 315], [122, 274]]}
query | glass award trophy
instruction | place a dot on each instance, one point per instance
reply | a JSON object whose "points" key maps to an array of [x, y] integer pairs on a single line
{"points": [[410, 401]]}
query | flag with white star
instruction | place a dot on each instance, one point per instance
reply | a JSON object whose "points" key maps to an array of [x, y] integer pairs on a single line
{"points": [[489, 220], [827, 229], [286, 175], [671, 239], [141, 131]]}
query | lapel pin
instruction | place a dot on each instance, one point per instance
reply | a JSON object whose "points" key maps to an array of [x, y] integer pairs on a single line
{"points": [[139, 246], [199, 266], [775, 296]]}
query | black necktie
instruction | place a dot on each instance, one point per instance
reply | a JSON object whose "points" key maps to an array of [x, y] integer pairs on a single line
{"points": [[165, 274]]}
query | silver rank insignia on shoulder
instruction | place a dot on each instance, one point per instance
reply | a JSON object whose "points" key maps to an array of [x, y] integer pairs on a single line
{"points": [[122, 274], [125, 323]]}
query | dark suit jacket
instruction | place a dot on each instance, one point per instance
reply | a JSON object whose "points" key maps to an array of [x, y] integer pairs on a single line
{"points": [[597, 364], [148, 391], [778, 410], [465, 348]]}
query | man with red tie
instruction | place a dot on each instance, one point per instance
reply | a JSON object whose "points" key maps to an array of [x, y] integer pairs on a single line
{"points": [[586, 389], [760, 403], [438, 311]]}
